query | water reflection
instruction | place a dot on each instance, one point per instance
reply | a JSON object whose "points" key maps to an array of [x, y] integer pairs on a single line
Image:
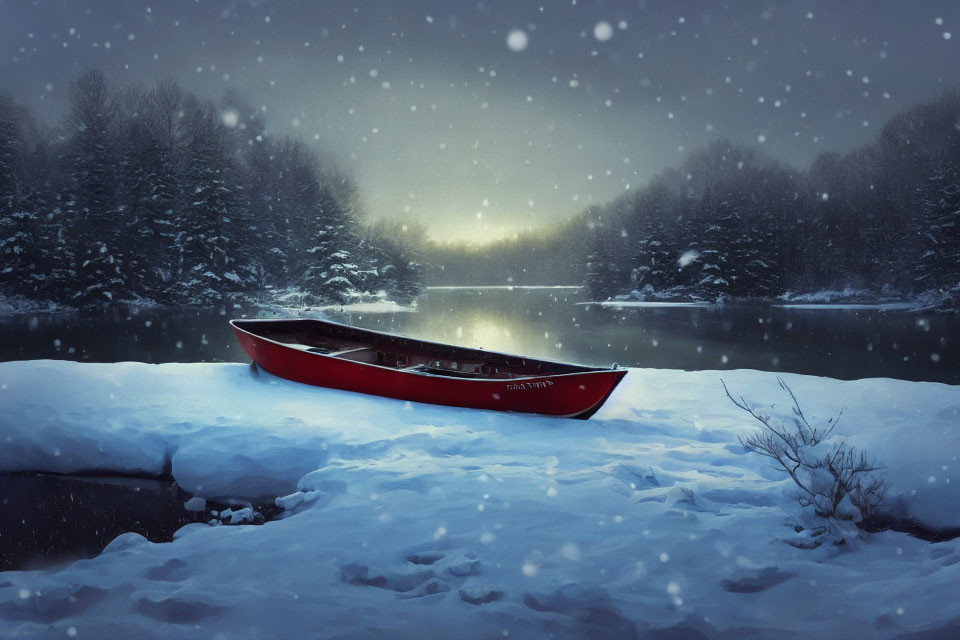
{"points": [[550, 324]]}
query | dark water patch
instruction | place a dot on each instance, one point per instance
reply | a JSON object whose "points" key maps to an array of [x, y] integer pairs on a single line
{"points": [[118, 335], [910, 526], [48, 519]]}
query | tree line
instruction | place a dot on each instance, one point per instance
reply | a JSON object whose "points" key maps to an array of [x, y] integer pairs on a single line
{"points": [[147, 192], [732, 223], [528, 258]]}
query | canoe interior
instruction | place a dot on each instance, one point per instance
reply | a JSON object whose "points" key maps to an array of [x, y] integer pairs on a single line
{"points": [[402, 353]]}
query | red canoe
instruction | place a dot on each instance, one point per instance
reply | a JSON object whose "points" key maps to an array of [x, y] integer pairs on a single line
{"points": [[328, 354]]}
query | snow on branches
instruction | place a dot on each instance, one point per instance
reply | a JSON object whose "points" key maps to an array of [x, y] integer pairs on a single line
{"points": [[838, 482]]}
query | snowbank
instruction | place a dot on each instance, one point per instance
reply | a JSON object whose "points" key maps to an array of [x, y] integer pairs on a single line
{"points": [[412, 521], [21, 306], [379, 306], [290, 308], [850, 299], [879, 306]]}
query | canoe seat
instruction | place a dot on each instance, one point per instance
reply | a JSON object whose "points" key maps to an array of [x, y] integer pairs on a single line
{"points": [[435, 371], [307, 347], [365, 355], [342, 352]]}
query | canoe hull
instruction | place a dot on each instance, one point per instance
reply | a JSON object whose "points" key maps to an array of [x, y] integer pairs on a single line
{"points": [[574, 395]]}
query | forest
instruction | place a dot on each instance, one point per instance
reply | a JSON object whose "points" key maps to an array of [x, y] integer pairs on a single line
{"points": [[147, 193], [731, 222]]}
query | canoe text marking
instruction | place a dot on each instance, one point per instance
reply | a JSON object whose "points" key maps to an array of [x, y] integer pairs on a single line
{"points": [[523, 386]]}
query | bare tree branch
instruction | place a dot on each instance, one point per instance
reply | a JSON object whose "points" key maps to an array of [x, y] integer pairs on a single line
{"points": [[824, 479]]}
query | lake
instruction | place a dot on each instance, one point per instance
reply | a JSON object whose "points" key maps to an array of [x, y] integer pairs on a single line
{"points": [[550, 323]]}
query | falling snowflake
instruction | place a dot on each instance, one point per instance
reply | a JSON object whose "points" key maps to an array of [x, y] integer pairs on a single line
{"points": [[602, 31], [517, 40]]}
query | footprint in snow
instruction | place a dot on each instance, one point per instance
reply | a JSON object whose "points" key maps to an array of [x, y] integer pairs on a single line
{"points": [[363, 575], [590, 605], [766, 578], [173, 570], [437, 572], [51, 604], [176, 610]]}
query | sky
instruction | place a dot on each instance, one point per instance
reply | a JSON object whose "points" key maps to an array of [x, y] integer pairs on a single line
{"points": [[482, 119]]}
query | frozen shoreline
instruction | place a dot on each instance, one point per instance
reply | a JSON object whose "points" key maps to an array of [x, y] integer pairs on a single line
{"points": [[879, 306], [471, 523], [847, 299], [649, 304]]}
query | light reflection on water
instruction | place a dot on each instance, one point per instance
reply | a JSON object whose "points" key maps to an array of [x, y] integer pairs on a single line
{"points": [[550, 324]]}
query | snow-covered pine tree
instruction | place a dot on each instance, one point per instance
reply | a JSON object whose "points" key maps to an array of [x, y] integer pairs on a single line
{"points": [[332, 272], [298, 210], [51, 268], [731, 224], [210, 269], [266, 232], [607, 268], [936, 222], [654, 252], [18, 225], [139, 166], [168, 139], [252, 171], [11, 143], [396, 250], [938, 225], [95, 219], [714, 241], [757, 192]]}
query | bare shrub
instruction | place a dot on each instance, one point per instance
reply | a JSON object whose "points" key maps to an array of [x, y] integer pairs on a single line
{"points": [[838, 481]]}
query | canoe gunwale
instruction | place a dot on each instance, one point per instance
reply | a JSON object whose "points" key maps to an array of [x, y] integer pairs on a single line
{"points": [[584, 370]]}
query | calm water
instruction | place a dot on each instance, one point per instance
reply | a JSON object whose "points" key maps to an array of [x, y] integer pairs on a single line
{"points": [[550, 323], [49, 519]]}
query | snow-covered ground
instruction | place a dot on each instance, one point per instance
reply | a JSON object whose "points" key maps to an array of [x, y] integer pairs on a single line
{"points": [[291, 303], [847, 299], [20, 306], [878, 306], [850, 299], [376, 306], [418, 521]]}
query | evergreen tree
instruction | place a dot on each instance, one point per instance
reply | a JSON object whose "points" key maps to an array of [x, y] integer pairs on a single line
{"points": [[166, 138], [92, 203], [210, 271], [267, 228], [607, 268], [11, 143], [938, 223], [397, 256], [17, 226], [332, 271], [151, 193], [655, 255]]}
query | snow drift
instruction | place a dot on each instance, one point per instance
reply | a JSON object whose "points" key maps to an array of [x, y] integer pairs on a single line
{"points": [[407, 520]]}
